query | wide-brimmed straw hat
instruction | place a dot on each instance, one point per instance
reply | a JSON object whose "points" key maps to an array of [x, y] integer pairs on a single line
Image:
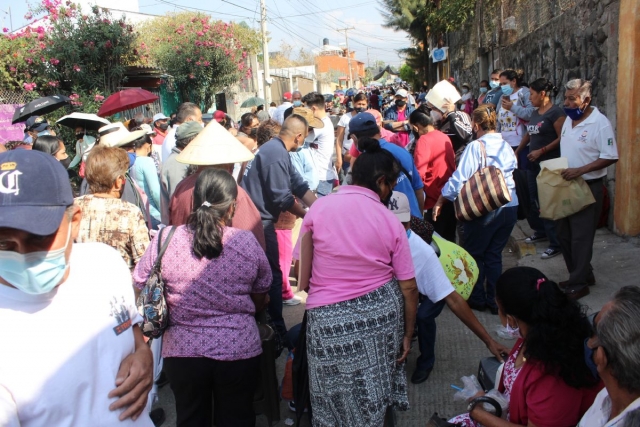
{"points": [[214, 146]]}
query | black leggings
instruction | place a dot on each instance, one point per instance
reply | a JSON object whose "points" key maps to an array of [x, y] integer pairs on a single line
{"points": [[232, 385]]}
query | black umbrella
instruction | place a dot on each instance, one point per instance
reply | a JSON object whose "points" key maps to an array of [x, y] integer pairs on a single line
{"points": [[39, 107]]}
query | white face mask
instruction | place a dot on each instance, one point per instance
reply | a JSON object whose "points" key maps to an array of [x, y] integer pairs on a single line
{"points": [[514, 332]]}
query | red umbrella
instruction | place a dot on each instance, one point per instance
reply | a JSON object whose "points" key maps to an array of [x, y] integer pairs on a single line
{"points": [[125, 100]]}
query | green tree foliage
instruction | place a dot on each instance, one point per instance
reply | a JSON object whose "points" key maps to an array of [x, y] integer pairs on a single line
{"points": [[408, 74], [423, 19], [202, 55]]}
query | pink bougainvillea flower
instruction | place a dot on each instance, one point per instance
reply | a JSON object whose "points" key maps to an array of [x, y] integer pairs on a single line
{"points": [[53, 84], [200, 34], [74, 96], [207, 63], [12, 69], [76, 68], [29, 86], [5, 30], [28, 16], [54, 61], [191, 76], [98, 98], [108, 44]]}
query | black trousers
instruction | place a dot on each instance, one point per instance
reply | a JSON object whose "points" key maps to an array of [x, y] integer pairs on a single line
{"points": [[445, 226], [275, 292], [197, 381]]}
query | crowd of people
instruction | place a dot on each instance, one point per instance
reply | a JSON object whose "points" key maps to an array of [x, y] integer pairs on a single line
{"points": [[353, 201]]}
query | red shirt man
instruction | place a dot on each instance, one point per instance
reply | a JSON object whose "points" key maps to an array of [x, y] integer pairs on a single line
{"points": [[435, 160]]}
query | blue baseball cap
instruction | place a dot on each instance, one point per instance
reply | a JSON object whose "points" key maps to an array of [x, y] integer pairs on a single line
{"points": [[34, 191], [363, 122], [36, 123]]}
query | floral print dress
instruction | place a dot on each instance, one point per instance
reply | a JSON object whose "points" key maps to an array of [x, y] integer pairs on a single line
{"points": [[508, 378]]}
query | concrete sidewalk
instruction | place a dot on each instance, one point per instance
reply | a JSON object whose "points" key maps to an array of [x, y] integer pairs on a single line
{"points": [[616, 263]]}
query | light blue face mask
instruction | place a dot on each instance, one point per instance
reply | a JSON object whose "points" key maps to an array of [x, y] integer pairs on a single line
{"points": [[297, 103], [506, 89], [35, 273], [494, 84]]}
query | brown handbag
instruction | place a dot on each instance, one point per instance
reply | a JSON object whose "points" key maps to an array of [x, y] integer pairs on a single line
{"points": [[484, 192]]}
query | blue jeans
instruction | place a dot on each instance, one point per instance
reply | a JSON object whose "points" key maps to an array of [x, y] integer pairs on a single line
{"points": [[275, 292], [541, 226], [324, 188], [485, 238], [426, 320]]}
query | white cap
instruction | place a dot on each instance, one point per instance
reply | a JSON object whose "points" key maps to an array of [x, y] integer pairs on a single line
{"points": [[399, 205], [402, 93], [159, 116]]}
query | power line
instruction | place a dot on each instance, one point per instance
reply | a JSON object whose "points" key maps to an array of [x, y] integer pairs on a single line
{"points": [[326, 11], [187, 8]]}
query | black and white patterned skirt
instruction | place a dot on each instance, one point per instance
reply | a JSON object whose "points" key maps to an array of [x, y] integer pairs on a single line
{"points": [[352, 348]]}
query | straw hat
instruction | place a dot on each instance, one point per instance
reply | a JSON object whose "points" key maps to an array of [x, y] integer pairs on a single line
{"points": [[116, 135], [214, 146], [312, 120]]}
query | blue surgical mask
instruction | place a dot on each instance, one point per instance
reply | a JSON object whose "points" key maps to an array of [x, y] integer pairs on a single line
{"points": [[44, 132], [506, 89], [483, 90], [574, 113], [588, 359], [297, 103], [465, 90], [35, 273], [494, 84]]}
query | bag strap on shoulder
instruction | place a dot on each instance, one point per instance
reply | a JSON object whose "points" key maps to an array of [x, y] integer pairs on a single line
{"points": [[162, 247]]}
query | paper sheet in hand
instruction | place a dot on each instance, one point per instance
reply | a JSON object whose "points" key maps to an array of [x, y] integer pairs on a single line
{"points": [[440, 91], [555, 164]]}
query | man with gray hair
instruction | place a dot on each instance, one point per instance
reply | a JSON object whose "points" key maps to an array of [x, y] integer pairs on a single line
{"points": [[613, 354], [588, 143]]}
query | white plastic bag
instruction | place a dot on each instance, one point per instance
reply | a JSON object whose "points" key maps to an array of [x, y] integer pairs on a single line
{"points": [[471, 388]]}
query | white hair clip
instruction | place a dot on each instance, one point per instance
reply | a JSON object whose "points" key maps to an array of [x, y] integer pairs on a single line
{"points": [[207, 204]]}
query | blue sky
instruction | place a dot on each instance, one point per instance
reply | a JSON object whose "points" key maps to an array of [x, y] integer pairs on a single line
{"points": [[301, 24]]}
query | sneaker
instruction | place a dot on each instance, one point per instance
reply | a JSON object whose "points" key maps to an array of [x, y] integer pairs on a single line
{"points": [[292, 407], [535, 238], [292, 301], [550, 253]]}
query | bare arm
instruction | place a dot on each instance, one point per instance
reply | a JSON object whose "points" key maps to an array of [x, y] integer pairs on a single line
{"points": [[489, 420], [395, 126], [260, 301], [573, 173], [339, 139], [557, 125], [461, 309], [420, 197], [409, 290], [134, 379], [523, 143]]}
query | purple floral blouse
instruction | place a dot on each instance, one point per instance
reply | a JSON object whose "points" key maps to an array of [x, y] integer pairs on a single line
{"points": [[211, 313]]}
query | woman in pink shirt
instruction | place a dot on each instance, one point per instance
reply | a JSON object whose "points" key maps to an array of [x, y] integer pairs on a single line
{"points": [[363, 297]]}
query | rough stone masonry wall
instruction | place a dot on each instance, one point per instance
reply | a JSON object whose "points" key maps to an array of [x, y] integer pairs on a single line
{"points": [[581, 42]]}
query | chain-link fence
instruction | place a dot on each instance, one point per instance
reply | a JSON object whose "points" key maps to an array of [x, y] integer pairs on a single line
{"points": [[12, 97]]}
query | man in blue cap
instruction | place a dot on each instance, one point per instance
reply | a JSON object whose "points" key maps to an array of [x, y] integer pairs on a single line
{"points": [[36, 126], [363, 125], [72, 352]]}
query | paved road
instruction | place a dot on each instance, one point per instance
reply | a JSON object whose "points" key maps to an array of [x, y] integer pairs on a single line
{"points": [[458, 350]]}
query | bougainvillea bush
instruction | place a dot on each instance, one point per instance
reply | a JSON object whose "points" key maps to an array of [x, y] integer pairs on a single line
{"points": [[65, 47], [202, 55]]}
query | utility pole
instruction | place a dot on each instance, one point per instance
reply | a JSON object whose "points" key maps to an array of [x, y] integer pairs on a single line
{"points": [[265, 55], [346, 37], [368, 63], [8, 12]]}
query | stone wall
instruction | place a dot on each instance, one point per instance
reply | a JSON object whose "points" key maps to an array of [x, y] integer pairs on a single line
{"points": [[580, 42]]}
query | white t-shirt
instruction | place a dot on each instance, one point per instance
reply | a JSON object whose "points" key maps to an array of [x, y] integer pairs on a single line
{"points": [[61, 351], [591, 140], [346, 141], [511, 127], [278, 115], [322, 156], [432, 281], [169, 142], [599, 413], [272, 110]]}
